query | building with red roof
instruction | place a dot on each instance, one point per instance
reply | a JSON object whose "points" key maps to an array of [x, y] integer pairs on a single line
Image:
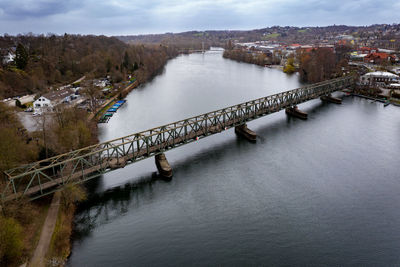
{"points": [[379, 58]]}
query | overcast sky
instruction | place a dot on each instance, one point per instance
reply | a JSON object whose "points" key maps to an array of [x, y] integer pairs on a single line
{"points": [[122, 17]]}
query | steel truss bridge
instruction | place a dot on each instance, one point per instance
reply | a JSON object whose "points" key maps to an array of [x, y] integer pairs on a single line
{"points": [[44, 177]]}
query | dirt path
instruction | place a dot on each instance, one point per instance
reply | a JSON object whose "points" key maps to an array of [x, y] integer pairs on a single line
{"points": [[46, 234]]}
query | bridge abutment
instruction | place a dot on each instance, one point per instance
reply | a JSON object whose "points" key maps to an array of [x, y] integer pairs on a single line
{"points": [[329, 98], [296, 112], [242, 130], [163, 166]]}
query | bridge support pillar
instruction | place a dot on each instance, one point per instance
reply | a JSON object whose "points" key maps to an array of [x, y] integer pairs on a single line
{"points": [[117, 163], [331, 99], [242, 130], [295, 112], [163, 166]]}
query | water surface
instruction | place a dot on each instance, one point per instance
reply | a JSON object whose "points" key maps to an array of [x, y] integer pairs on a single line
{"points": [[321, 192]]}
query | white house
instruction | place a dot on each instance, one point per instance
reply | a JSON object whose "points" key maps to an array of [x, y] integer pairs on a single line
{"points": [[8, 58], [379, 78], [48, 101], [42, 104]]}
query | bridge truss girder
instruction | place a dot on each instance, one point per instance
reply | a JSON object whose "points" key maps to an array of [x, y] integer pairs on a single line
{"points": [[47, 176]]}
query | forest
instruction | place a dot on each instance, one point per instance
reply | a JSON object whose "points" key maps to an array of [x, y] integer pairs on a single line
{"points": [[44, 61], [320, 64]]}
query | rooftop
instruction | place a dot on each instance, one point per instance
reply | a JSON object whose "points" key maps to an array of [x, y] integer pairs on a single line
{"points": [[58, 94], [382, 74]]}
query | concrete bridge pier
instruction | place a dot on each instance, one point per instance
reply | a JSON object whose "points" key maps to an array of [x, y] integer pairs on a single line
{"points": [[331, 99], [163, 166], [242, 130], [296, 112], [117, 163]]}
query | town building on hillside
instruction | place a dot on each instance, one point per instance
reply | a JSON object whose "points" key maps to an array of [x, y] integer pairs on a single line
{"points": [[48, 101], [10, 57], [23, 100], [379, 58], [358, 57], [367, 50], [379, 78]]}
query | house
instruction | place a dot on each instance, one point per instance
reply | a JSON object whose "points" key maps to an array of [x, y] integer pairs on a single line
{"points": [[23, 100], [358, 57], [380, 78], [367, 50], [101, 83], [379, 58], [8, 58], [294, 46], [48, 101]]}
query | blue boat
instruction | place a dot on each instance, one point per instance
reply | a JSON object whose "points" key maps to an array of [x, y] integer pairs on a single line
{"points": [[121, 102], [112, 110]]}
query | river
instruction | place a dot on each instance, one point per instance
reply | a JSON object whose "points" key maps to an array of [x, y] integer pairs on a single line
{"points": [[321, 192]]}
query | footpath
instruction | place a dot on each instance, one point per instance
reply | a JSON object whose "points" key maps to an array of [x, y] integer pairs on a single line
{"points": [[46, 234]]}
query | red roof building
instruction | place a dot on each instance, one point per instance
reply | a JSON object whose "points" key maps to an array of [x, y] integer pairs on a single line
{"points": [[368, 50], [379, 58]]}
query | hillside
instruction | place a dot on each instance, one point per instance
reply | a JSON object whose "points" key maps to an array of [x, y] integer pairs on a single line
{"points": [[44, 61]]}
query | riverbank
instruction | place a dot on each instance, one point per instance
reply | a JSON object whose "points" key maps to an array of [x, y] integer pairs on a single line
{"points": [[103, 108], [394, 102]]}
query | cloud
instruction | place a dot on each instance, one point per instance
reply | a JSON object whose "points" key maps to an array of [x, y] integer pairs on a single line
{"points": [[22, 9], [113, 17]]}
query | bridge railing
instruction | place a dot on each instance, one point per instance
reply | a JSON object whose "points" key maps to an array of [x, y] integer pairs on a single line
{"points": [[45, 176]]}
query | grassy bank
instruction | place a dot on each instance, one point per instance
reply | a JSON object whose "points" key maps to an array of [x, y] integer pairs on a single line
{"points": [[60, 245], [21, 225]]}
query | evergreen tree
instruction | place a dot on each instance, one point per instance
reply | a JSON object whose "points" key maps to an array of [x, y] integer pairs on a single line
{"points": [[21, 57], [108, 65], [135, 66], [126, 61]]}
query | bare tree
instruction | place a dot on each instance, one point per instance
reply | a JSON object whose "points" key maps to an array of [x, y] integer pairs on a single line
{"points": [[92, 93], [42, 125]]}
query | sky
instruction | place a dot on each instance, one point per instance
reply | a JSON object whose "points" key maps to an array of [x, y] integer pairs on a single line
{"points": [[131, 17]]}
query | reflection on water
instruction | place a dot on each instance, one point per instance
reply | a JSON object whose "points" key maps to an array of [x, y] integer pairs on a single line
{"points": [[105, 207]]}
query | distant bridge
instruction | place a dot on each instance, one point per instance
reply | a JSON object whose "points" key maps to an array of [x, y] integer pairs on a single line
{"points": [[44, 177]]}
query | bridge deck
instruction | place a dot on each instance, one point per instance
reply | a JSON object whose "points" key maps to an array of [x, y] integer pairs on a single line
{"points": [[44, 177]]}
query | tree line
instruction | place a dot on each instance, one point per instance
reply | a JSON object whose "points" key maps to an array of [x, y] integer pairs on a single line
{"points": [[321, 64], [253, 57], [314, 65]]}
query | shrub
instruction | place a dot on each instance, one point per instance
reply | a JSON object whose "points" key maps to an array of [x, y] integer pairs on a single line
{"points": [[72, 194], [289, 69], [11, 244]]}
